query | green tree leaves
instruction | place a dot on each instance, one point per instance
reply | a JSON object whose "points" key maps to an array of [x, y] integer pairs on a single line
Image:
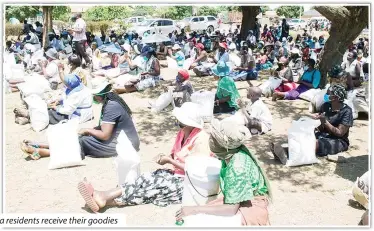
{"points": [[107, 13], [290, 11], [21, 12]]}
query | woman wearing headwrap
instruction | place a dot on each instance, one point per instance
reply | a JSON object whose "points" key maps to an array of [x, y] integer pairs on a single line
{"points": [[336, 119], [227, 94], [74, 63], [244, 185], [183, 88], [76, 102]]}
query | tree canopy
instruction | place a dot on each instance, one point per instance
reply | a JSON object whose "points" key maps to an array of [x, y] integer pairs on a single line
{"points": [[61, 13], [178, 12], [107, 13], [142, 10], [290, 11], [21, 12], [208, 10]]}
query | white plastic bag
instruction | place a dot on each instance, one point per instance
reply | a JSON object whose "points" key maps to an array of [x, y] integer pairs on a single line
{"points": [[64, 144], [127, 161], [269, 85], [162, 101], [34, 84], [351, 97], [112, 73], [17, 73], [37, 56], [205, 220], [187, 63], [96, 63], [318, 100], [309, 94], [302, 142], [205, 99], [172, 63], [38, 111]]}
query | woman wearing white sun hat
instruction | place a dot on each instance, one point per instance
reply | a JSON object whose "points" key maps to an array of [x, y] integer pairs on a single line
{"points": [[163, 186], [177, 55]]}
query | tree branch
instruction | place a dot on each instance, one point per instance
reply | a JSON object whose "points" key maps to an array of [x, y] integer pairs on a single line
{"points": [[333, 13]]}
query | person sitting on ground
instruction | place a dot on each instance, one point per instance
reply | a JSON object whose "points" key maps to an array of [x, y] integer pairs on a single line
{"points": [[305, 51], [227, 94], [309, 80], [164, 186], [99, 141], [246, 189], [150, 75], [221, 53], [162, 51], [258, 118], [246, 71], [284, 72], [182, 86], [336, 119], [353, 69], [75, 102], [176, 54], [50, 68], [74, 64], [202, 56]]}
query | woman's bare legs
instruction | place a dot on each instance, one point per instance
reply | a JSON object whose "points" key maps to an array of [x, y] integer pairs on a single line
{"points": [[40, 145], [106, 198], [126, 89]]}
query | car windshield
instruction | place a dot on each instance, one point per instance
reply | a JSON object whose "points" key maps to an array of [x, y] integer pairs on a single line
{"points": [[294, 20], [187, 19], [146, 23]]}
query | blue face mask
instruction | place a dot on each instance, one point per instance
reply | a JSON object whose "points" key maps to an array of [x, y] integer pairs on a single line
{"points": [[178, 80], [326, 98]]}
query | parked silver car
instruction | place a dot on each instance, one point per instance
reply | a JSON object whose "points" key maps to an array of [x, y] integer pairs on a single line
{"points": [[157, 25], [198, 23]]}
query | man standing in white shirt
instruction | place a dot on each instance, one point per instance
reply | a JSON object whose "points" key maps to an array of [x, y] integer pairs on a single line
{"points": [[79, 37]]}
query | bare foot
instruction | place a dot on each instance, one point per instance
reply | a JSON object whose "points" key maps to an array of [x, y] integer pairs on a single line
{"points": [[99, 198]]}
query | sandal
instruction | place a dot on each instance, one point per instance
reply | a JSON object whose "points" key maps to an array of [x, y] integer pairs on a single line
{"points": [[86, 190], [35, 155]]}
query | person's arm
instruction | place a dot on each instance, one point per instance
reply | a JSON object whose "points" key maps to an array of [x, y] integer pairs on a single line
{"points": [[69, 105], [202, 55], [339, 131], [104, 134], [342, 128], [61, 72], [358, 69]]}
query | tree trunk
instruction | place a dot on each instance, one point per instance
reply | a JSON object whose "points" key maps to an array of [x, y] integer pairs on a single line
{"points": [[346, 24], [248, 19], [47, 24]]}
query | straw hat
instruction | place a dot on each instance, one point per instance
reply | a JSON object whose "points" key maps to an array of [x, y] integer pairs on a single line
{"points": [[188, 114], [98, 86]]}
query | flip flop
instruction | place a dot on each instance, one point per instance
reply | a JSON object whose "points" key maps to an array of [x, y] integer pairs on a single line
{"points": [[35, 155], [86, 190]]}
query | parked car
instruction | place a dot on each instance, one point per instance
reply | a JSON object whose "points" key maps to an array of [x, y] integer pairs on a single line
{"points": [[198, 23], [158, 25], [297, 24], [134, 20]]}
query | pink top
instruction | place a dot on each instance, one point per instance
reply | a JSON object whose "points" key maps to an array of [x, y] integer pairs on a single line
{"points": [[197, 143]]}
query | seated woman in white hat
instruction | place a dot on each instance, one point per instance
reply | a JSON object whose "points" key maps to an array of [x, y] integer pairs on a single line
{"points": [[177, 55], [163, 186], [99, 141]]}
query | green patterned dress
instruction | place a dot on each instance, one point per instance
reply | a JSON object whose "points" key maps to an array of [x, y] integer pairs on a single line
{"points": [[241, 179]]}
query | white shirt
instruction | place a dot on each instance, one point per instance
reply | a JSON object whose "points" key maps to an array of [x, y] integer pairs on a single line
{"points": [[52, 72], [39, 29], [260, 111], [77, 104], [80, 24], [33, 38]]}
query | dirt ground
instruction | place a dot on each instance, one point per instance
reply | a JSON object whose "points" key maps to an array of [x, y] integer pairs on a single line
{"points": [[315, 195]]}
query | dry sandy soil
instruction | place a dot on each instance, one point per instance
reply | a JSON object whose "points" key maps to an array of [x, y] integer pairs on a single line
{"points": [[315, 195]]}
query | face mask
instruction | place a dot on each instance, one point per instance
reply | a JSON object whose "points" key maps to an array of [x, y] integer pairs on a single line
{"points": [[178, 80], [145, 58], [326, 98], [95, 101], [306, 68]]}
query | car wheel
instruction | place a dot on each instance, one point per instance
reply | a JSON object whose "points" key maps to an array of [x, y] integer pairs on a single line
{"points": [[210, 29]]}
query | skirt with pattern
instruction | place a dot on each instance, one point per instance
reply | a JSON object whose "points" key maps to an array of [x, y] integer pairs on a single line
{"points": [[161, 188]]}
